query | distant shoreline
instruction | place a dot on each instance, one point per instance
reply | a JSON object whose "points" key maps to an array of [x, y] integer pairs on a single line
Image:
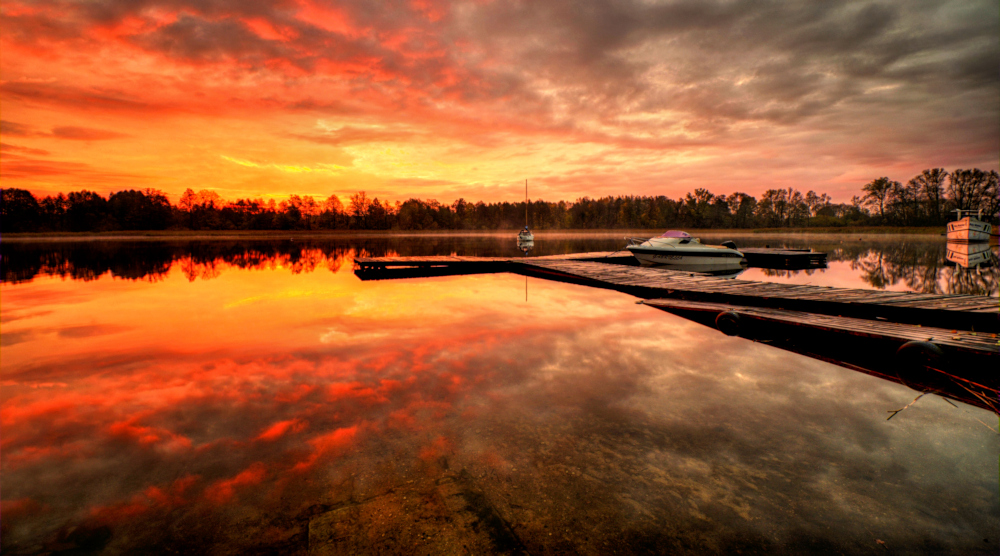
{"points": [[929, 232]]}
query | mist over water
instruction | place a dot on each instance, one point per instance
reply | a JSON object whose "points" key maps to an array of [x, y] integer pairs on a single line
{"points": [[239, 396]]}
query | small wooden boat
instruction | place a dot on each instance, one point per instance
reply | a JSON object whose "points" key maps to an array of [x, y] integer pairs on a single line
{"points": [[969, 228]]}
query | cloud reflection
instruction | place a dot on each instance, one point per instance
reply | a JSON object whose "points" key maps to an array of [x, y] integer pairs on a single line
{"points": [[578, 413]]}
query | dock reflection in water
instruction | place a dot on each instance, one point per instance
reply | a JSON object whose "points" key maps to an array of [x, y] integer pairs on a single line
{"points": [[228, 398]]}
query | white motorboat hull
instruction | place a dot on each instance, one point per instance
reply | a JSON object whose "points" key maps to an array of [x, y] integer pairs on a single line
{"points": [[727, 269], [694, 260], [677, 250], [969, 229]]}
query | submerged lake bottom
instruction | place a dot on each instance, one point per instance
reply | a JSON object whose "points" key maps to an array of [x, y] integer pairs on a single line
{"points": [[257, 397]]}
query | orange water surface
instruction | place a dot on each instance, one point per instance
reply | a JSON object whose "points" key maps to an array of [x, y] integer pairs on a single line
{"points": [[208, 407]]}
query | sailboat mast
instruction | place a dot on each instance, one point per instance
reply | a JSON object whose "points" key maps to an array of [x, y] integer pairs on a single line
{"points": [[525, 203]]}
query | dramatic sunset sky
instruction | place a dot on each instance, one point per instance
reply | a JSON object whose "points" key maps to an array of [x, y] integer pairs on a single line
{"points": [[441, 100]]}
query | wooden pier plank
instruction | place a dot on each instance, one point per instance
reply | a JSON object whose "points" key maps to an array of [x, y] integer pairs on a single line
{"points": [[965, 340], [594, 269], [852, 302]]}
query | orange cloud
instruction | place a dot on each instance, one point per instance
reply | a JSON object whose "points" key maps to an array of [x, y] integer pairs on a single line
{"points": [[222, 491], [443, 100], [329, 444], [280, 428]]}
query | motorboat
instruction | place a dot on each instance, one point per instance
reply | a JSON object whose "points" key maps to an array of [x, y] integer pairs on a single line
{"points": [[678, 250], [969, 228], [971, 255]]}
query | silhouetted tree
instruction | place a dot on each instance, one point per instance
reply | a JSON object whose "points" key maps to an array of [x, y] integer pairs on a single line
{"points": [[88, 211], [19, 211], [140, 210], [974, 190], [877, 193], [360, 204], [54, 213], [930, 183]]}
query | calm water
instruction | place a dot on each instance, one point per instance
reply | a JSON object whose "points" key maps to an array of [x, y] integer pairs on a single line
{"points": [[234, 397]]}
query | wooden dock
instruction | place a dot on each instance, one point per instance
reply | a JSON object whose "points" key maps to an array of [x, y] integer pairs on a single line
{"points": [[387, 268], [946, 344], [757, 257], [964, 312], [366, 264], [960, 312], [961, 365]]}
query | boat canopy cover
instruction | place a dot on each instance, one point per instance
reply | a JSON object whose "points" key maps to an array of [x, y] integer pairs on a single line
{"points": [[675, 233]]}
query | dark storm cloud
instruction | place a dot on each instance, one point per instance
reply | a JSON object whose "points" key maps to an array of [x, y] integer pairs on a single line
{"points": [[195, 39], [794, 60], [774, 61]]}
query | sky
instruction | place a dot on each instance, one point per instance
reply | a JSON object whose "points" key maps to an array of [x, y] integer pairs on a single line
{"points": [[468, 99]]}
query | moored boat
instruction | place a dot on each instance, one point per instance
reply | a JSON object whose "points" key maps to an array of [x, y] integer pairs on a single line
{"points": [[969, 228], [678, 250]]}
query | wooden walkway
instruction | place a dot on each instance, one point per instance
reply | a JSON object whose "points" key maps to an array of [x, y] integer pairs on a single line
{"points": [[959, 312], [383, 263], [951, 340], [964, 312], [757, 257], [961, 365]]}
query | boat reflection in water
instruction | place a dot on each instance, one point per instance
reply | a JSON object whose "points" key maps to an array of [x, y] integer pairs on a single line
{"points": [[971, 255], [724, 272]]}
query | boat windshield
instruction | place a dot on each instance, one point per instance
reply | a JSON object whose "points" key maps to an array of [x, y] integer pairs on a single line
{"points": [[675, 233]]}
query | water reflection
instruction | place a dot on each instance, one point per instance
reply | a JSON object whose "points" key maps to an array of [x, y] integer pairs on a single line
{"points": [[907, 264], [913, 265], [971, 255], [263, 410]]}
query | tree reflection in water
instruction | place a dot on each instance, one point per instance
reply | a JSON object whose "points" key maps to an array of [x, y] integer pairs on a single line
{"points": [[152, 260], [786, 273], [923, 268], [919, 265]]}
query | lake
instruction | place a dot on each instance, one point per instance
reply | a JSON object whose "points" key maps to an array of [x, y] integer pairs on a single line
{"points": [[255, 396]]}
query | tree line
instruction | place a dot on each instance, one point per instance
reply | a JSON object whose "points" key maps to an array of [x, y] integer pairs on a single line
{"points": [[925, 200], [921, 266]]}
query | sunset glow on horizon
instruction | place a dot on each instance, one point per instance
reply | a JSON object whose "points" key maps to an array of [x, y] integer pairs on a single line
{"points": [[467, 99]]}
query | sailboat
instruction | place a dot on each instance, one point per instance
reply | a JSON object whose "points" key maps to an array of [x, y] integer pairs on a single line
{"points": [[525, 235]]}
